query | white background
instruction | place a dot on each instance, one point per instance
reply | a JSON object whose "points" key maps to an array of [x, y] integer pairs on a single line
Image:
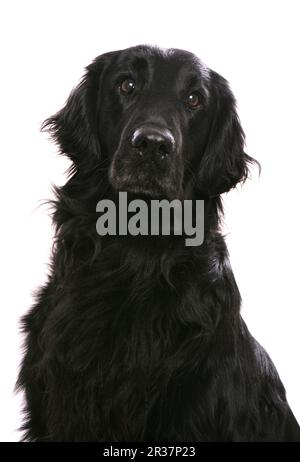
{"points": [[255, 45]]}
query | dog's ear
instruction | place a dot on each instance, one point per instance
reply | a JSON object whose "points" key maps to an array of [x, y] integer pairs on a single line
{"points": [[224, 163], [74, 128]]}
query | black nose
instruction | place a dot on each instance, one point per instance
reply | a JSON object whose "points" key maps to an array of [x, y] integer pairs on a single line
{"points": [[153, 140]]}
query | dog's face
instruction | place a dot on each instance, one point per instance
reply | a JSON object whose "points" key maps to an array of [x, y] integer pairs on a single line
{"points": [[158, 103], [165, 123]]}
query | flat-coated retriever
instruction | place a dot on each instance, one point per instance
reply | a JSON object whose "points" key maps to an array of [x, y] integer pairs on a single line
{"points": [[137, 338]]}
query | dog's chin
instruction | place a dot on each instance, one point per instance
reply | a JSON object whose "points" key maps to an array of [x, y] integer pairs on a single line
{"points": [[142, 190], [138, 191]]}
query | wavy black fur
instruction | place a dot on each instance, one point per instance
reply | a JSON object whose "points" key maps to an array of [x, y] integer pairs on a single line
{"points": [[141, 339]]}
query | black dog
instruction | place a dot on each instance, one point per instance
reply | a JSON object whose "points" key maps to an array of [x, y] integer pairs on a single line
{"points": [[141, 338]]}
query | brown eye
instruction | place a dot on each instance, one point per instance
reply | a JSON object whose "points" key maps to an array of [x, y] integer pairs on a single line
{"points": [[194, 100], [127, 86]]}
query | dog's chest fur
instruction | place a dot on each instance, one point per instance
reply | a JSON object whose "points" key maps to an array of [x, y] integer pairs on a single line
{"points": [[128, 344]]}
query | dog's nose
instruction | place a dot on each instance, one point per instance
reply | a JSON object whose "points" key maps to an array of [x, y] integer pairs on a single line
{"points": [[153, 140]]}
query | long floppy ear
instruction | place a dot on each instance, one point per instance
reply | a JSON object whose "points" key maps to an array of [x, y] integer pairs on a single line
{"points": [[224, 163], [74, 127]]}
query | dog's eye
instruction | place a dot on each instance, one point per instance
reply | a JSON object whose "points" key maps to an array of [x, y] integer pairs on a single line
{"points": [[127, 86], [194, 100]]}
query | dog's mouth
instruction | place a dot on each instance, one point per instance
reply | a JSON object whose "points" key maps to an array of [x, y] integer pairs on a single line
{"points": [[134, 181], [143, 181], [147, 162]]}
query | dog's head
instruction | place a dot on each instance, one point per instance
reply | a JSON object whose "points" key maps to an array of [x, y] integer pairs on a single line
{"points": [[166, 124]]}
